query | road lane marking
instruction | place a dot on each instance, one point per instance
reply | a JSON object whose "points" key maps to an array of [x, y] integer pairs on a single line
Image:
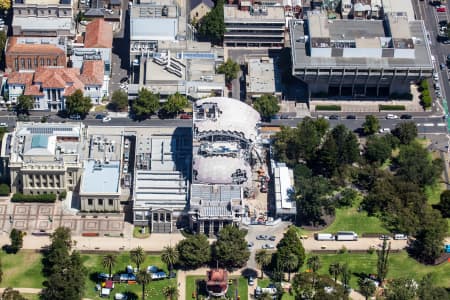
{"points": [[428, 124], [441, 124]]}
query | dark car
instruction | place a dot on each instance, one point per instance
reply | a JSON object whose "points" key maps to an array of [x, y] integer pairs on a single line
{"points": [[443, 23], [351, 117], [123, 80], [272, 238], [99, 117], [334, 117], [406, 117], [442, 66]]}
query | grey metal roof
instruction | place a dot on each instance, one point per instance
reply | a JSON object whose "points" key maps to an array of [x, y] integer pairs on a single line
{"points": [[153, 29]]}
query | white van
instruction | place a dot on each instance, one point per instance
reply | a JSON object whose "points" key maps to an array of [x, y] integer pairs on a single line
{"points": [[400, 236]]}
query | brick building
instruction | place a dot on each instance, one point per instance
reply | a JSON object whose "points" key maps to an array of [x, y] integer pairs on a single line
{"points": [[26, 53]]}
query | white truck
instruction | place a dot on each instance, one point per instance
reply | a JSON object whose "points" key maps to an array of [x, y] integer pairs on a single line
{"points": [[324, 237], [346, 236], [269, 290]]}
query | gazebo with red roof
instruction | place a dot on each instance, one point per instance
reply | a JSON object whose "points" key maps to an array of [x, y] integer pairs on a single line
{"points": [[217, 282]]}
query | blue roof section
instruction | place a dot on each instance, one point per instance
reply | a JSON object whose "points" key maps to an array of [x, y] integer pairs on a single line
{"points": [[39, 141], [101, 178]]}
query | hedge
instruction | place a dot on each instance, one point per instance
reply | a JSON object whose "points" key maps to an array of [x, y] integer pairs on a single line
{"points": [[392, 107], [4, 189], [328, 107], [43, 198]]}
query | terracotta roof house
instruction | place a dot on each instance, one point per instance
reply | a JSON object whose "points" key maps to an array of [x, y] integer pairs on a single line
{"points": [[99, 34], [49, 86], [29, 53], [217, 282]]}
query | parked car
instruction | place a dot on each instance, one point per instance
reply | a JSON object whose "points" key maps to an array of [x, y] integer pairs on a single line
{"points": [[124, 80], [268, 246], [384, 130], [3, 125], [262, 237], [334, 117], [443, 23], [406, 117], [442, 66], [251, 281], [186, 116], [384, 237], [75, 117], [391, 117], [106, 119], [441, 8], [272, 238], [351, 117], [250, 244]]}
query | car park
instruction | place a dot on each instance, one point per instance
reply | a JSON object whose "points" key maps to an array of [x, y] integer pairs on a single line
{"points": [[268, 246], [406, 117], [391, 117], [272, 238]]}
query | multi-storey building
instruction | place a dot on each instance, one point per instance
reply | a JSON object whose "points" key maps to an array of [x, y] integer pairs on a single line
{"points": [[225, 131], [359, 58], [43, 18], [31, 53], [254, 25], [50, 86], [44, 158]]}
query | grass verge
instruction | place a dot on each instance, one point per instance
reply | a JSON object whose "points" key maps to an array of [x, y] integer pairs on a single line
{"points": [[23, 269], [137, 232]]}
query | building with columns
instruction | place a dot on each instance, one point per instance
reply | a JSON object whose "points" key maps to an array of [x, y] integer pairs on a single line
{"points": [[44, 158], [224, 136]]}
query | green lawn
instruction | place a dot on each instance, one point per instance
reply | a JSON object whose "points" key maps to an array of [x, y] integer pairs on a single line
{"points": [[93, 263], [191, 287], [31, 296], [400, 265], [22, 269]]}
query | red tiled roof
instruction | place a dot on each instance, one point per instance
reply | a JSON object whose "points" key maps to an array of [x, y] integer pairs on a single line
{"points": [[93, 72], [99, 34], [33, 90], [20, 78], [15, 48]]}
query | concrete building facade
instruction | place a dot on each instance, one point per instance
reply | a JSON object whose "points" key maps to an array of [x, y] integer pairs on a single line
{"points": [[44, 158], [359, 58], [43, 18], [254, 26]]}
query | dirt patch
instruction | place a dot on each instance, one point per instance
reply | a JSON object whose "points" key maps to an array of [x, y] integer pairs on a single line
{"points": [[327, 219]]}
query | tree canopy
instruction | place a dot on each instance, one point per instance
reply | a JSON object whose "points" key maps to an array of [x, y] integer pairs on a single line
{"points": [[145, 104], [291, 244], [371, 125], [406, 132], [378, 149], [5, 4], [267, 106], [119, 100], [194, 251], [230, 69], [444, 204], [212, 25], [24, 104], [78, 104], [175, 103], [230, 249], [16, 237]]}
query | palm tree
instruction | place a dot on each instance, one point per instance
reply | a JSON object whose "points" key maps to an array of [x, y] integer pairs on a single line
{"points": [[169, 256], [109, 260], [291, 263], [137, 256], [314, 264], [335, 270], [143, 278], [263, 258], [171, 292]]}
